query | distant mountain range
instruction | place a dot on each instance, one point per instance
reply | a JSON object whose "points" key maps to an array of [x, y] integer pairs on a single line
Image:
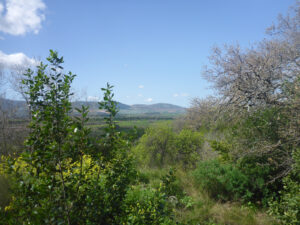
{"points": [[20, 108], [159, 108]]}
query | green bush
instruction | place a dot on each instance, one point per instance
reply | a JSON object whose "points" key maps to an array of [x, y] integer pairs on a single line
{"points": [[170, 185], [147, 206], [287, 207], [161, 146], [254, 144], [245, 181], [261, 125], [259, 172], [4, 191], [223, 149], [155, 147], [187, 147], [262, 144], [222, 181]]}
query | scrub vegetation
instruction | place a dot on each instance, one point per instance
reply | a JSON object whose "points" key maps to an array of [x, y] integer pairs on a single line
{"points": [[232, 159]]}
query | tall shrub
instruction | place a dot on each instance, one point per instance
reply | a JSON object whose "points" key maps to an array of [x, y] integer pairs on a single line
{"points": [[62, 178]]}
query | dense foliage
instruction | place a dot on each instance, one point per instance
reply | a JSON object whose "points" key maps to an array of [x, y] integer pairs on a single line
{"points": [[232, 160], [222, 181], [161, 146], [287, 207], [62, 178]]}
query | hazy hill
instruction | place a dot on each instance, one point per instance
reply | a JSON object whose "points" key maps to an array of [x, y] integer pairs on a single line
{"points": [[19, 108], [134, 109], [158, 108]]}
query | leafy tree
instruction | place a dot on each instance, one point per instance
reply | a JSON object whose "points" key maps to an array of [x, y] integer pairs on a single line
{"points": [[62, 178], [156, 146], [187, 146], [161, 146], [44, 185]]}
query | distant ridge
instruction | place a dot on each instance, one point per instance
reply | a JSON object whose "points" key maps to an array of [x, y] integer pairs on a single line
{"points": [[158, 108], [136, 108], [20, 108]]}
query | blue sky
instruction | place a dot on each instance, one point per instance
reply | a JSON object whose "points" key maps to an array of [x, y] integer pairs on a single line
{"points": [[151, 50]]}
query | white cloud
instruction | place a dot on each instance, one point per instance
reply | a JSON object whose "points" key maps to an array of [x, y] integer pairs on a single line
{"points": [[93, 98], [18, 17], [141, 86], [149, 100], [16, 61], [180, 95], [140, 95]]}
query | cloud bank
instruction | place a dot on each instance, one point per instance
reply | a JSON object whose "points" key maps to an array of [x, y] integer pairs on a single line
{"points": [[17, 60], [18, 17]]}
